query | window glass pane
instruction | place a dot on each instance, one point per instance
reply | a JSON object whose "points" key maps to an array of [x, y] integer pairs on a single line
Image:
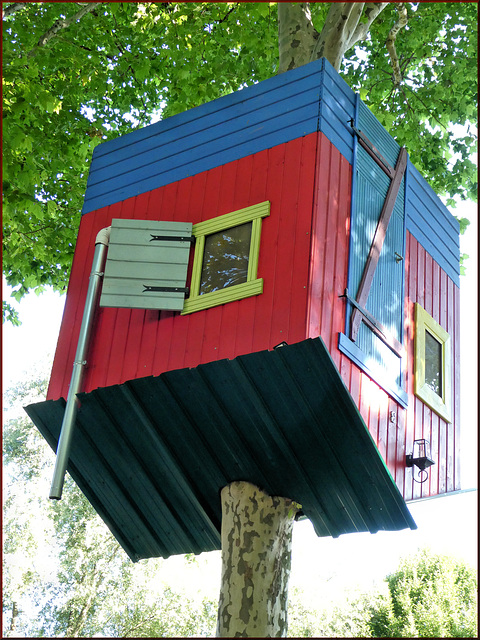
{"points": [[225, 258], [433, 363]]}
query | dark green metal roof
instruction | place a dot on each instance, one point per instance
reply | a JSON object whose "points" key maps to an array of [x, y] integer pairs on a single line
{"points": [[153, 454]]}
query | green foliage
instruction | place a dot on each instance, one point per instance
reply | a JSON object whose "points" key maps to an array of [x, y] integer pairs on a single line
{"points": [[428, 596], [433, 112], [10, 314], [345, 620], [118, 67], [123, 65]]}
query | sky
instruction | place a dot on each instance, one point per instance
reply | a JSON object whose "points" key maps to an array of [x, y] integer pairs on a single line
{"points": [[325, 568]]}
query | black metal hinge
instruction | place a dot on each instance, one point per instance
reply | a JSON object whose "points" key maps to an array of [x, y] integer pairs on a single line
{"points": [[190, 239], [149, 289]]}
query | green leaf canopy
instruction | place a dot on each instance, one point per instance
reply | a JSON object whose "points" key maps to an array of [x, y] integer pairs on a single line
{"points": [[76, 74]]}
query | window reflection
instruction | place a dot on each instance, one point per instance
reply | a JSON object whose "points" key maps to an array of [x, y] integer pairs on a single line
{"points": [[225, 258], [433, 363]]}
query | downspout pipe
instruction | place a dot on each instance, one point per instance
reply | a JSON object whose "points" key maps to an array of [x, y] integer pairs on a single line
{"points": [[68, 424]]}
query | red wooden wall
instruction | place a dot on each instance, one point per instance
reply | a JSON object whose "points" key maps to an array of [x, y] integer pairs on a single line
{"points": [[304, 262], [129, 344], [427, 284]]}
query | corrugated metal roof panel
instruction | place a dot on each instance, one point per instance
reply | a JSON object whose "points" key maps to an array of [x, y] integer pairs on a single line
{"points": [[153, 454]]}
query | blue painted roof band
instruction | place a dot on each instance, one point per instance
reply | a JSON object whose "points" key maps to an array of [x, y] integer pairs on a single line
{"points": [[269, 113], [278, 110], [189, 149], [178, 130], [255, 92]]}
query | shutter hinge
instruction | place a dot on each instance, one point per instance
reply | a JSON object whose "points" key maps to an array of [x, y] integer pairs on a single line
{"points": [[190, 239], [149, 289]]}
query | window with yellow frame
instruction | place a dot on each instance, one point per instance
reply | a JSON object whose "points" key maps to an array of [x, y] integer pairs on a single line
{"points": [[226, 258], [433, 364]]}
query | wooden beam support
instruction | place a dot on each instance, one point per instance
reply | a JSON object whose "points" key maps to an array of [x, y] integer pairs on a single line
{"points": [[373, 152], [378, 329]]}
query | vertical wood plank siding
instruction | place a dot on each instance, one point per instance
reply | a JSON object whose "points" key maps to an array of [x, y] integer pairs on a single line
{"points": [[426, 283], [429, 285], [131, 343]]}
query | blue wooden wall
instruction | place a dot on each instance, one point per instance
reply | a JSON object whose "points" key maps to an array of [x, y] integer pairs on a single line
{"points": [[432, 224]]}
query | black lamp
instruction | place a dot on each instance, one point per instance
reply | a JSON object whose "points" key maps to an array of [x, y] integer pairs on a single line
{"points": [[420, 458]]}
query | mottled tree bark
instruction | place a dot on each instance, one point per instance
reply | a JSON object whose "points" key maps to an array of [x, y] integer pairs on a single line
{"points": [[296, 35], [346, 24], [256, 560]]}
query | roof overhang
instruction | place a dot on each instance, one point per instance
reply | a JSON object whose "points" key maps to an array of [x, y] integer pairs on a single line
{"points": [[152, 454]]}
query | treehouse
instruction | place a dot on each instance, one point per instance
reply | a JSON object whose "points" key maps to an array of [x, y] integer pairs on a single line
{"points": [[279, 304]]}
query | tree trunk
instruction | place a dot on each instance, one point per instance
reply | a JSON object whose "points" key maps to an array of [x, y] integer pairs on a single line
{"points": [[296, 35], [13, 622], [346, 24], [256, 559]]}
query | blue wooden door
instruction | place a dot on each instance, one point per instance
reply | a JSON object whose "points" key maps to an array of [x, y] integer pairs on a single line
{"points": [[375, 345]]}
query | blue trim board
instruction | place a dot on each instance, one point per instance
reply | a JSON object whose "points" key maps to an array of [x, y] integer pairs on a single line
{"points": [[353, 209]]}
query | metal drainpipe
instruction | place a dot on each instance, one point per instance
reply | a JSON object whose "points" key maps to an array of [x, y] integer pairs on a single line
{"points": [[68, 424]]}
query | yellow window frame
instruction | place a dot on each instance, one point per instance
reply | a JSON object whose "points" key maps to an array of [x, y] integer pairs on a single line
{"points": [[253, 285], [442, 403]]}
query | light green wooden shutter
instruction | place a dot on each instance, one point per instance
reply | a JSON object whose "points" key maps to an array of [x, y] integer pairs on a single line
{"points": [[146, 266]]}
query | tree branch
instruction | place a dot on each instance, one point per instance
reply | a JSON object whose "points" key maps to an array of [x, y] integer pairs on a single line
{"points": [[109, 56], [343, 29], [341, 21], [390, 43], [228, 13], [371, 11], [15, 6], [62, 24], [126, 632]]}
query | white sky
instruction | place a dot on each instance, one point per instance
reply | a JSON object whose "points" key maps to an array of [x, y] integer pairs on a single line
{"points": [[323, 566]]}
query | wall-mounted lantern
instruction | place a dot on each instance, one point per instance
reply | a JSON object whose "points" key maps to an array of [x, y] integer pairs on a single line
{"points": [[420, 458]]}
